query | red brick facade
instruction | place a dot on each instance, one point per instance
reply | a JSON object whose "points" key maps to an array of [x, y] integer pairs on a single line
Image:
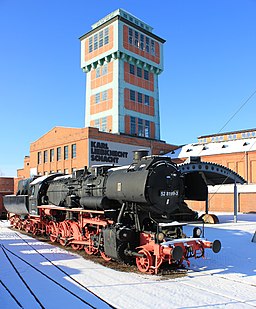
{"points": [[60, 137], [6, 187]]}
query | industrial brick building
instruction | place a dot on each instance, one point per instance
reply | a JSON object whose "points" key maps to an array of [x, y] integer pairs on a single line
{"points": [[122, 59], [235, 150], [65, 150], [6, 187]]}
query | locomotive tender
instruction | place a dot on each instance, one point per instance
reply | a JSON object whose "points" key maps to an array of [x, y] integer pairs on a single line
{"points": [[125, 213]]}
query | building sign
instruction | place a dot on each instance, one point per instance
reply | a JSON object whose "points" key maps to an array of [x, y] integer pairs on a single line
{"points": [[102, 152]]}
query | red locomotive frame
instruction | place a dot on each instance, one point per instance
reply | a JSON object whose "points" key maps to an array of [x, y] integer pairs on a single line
{"points": [[150, 254]]}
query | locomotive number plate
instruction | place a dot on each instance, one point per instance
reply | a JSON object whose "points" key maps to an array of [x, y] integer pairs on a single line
{"points": [[164, 193]]}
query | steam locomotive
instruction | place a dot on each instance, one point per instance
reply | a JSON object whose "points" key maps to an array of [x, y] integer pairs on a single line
{"points": [[132, 214]]}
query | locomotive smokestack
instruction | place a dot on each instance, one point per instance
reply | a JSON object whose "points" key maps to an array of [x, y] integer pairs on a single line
{"points": [[138, 154]]}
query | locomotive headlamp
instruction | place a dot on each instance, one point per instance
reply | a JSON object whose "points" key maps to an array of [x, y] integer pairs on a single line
{"points": [[160, 236], [197, 232]]}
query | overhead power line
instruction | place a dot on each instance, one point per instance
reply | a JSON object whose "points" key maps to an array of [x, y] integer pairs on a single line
{"points": [[247, 100]]}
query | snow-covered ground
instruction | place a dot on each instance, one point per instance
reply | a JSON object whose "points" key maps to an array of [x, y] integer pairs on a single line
{"points": [[226, 279]]}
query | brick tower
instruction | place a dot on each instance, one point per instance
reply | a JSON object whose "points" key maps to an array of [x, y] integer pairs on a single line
{"points": [[122, 59]]}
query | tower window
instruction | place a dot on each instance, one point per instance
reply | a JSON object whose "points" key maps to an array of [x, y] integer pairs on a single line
{"points": [[97, 123], [139, 97], [104, 95], [130, 36], [97, 98], [106, 36], [139, 72], [101, 39], [133, 126], [136, 41], [152, 47], [104, 124], [132, 69], [146, 75], [105, 69], [147, 128], [146, 100], [95, 41], [97, 72], [132, 95], [90, 44], [98, 39], [142, 41], [147, 44], [140, 127]]}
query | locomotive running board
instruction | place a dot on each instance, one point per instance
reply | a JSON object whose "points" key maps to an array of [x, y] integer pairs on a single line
{"points": [[174, 223]]}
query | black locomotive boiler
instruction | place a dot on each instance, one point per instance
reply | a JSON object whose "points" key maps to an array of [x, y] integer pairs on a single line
{"points": [[126, 213]]}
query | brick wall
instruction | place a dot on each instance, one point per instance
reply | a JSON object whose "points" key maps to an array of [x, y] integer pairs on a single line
{"points": [[6, 187], [61, 137]]}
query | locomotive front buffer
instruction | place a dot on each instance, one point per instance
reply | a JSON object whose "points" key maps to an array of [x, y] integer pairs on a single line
{"points": [[169, 245]]}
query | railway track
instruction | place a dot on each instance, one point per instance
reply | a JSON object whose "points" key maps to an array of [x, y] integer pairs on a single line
{"points": [[17, 264]]}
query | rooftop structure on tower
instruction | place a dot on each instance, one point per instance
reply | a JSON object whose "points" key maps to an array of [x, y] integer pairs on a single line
{"points": [[122, 59]]}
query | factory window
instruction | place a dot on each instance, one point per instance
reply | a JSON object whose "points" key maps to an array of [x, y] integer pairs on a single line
{"points": [[65, 152], [45, 156], [51, 155], [133, 125], [132, 69], [66, 171], [39, 157], [146, 100], [132, 95], [73, 151], [58, 153]]}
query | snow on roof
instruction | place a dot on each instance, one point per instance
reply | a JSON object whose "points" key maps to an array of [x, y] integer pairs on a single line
{"points": [[207, 149]]}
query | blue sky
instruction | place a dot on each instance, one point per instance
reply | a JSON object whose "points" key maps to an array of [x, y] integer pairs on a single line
{"points": [[209, 67]]}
